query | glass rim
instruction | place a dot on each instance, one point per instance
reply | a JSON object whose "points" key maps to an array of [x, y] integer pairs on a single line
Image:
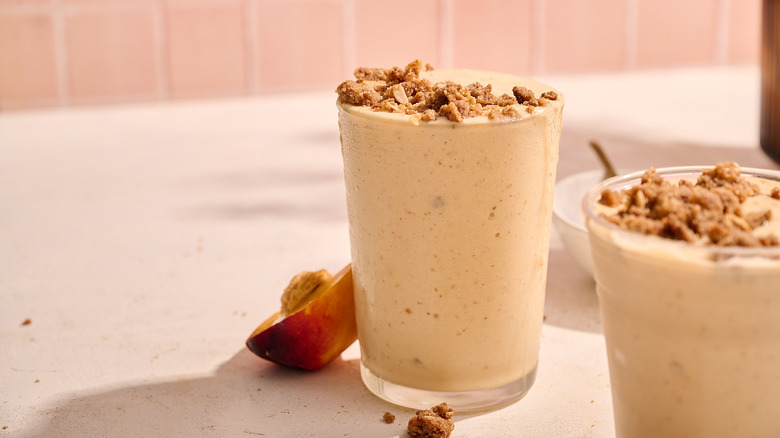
{"points": [[620, 182]]}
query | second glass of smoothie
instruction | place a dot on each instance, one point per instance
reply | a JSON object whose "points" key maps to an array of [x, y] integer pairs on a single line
{"points": [[691, 319], [449, 231]]}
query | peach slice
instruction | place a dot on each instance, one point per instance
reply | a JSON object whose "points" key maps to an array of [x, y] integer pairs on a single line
{"points": [[315, 324]]}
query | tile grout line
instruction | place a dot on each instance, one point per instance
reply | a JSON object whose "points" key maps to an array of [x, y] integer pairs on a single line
{"points": [[446, 33], [348, 37], [537, 37], [162, 54], [251, 49], [632, 34], [722, 31], [60, 53]]}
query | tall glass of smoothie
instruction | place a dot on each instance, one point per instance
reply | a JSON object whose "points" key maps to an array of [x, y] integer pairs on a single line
{"points": [[449, 179], [687, 266]]}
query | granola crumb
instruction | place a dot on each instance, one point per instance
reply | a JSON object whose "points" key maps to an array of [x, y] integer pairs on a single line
{"points": [[403, 91], [358, 93], [707, 211], [388, 418], [523, 95], [27, 321], [510, 112], [610, 198], [775, 193], [435, 422]]}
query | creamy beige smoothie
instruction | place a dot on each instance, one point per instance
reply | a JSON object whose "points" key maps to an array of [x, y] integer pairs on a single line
{"points": [[692, 321], [449, 228]]}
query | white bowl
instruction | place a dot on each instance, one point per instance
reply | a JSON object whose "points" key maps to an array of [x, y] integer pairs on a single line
{"points": [[567, 215]]}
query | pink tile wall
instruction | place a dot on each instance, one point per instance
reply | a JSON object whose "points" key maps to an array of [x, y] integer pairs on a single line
{"points": [[484, 39], [394, 33], [111, 52], [206, 54], [673, 32], [28, 65], [585, 35], [77, 52], [744, 32], [298, 44]]}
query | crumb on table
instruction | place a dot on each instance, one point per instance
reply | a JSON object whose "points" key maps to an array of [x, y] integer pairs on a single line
{"points": [[435, 422]]}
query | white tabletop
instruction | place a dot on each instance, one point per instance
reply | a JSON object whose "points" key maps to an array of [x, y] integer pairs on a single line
{"points": [[144, 243]]}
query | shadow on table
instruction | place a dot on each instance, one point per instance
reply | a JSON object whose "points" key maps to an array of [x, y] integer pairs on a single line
{"points": [[570, 300], [636, 154], [245, 397]]}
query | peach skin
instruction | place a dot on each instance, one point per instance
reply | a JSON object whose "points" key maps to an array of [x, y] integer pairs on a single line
{"points": [[315, 324]]}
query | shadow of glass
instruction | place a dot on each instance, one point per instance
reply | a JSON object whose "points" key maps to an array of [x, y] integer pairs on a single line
{"points": [[245, 397], [293, 193], [570, 299], [323, 210], [636, 154]]}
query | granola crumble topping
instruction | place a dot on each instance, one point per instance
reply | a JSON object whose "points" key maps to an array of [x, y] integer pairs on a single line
{"points": [[708, 210], [402, 90], [435, 422]]}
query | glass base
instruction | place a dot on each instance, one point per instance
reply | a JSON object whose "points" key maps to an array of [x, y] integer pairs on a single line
{"points": [[462, 401]]}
